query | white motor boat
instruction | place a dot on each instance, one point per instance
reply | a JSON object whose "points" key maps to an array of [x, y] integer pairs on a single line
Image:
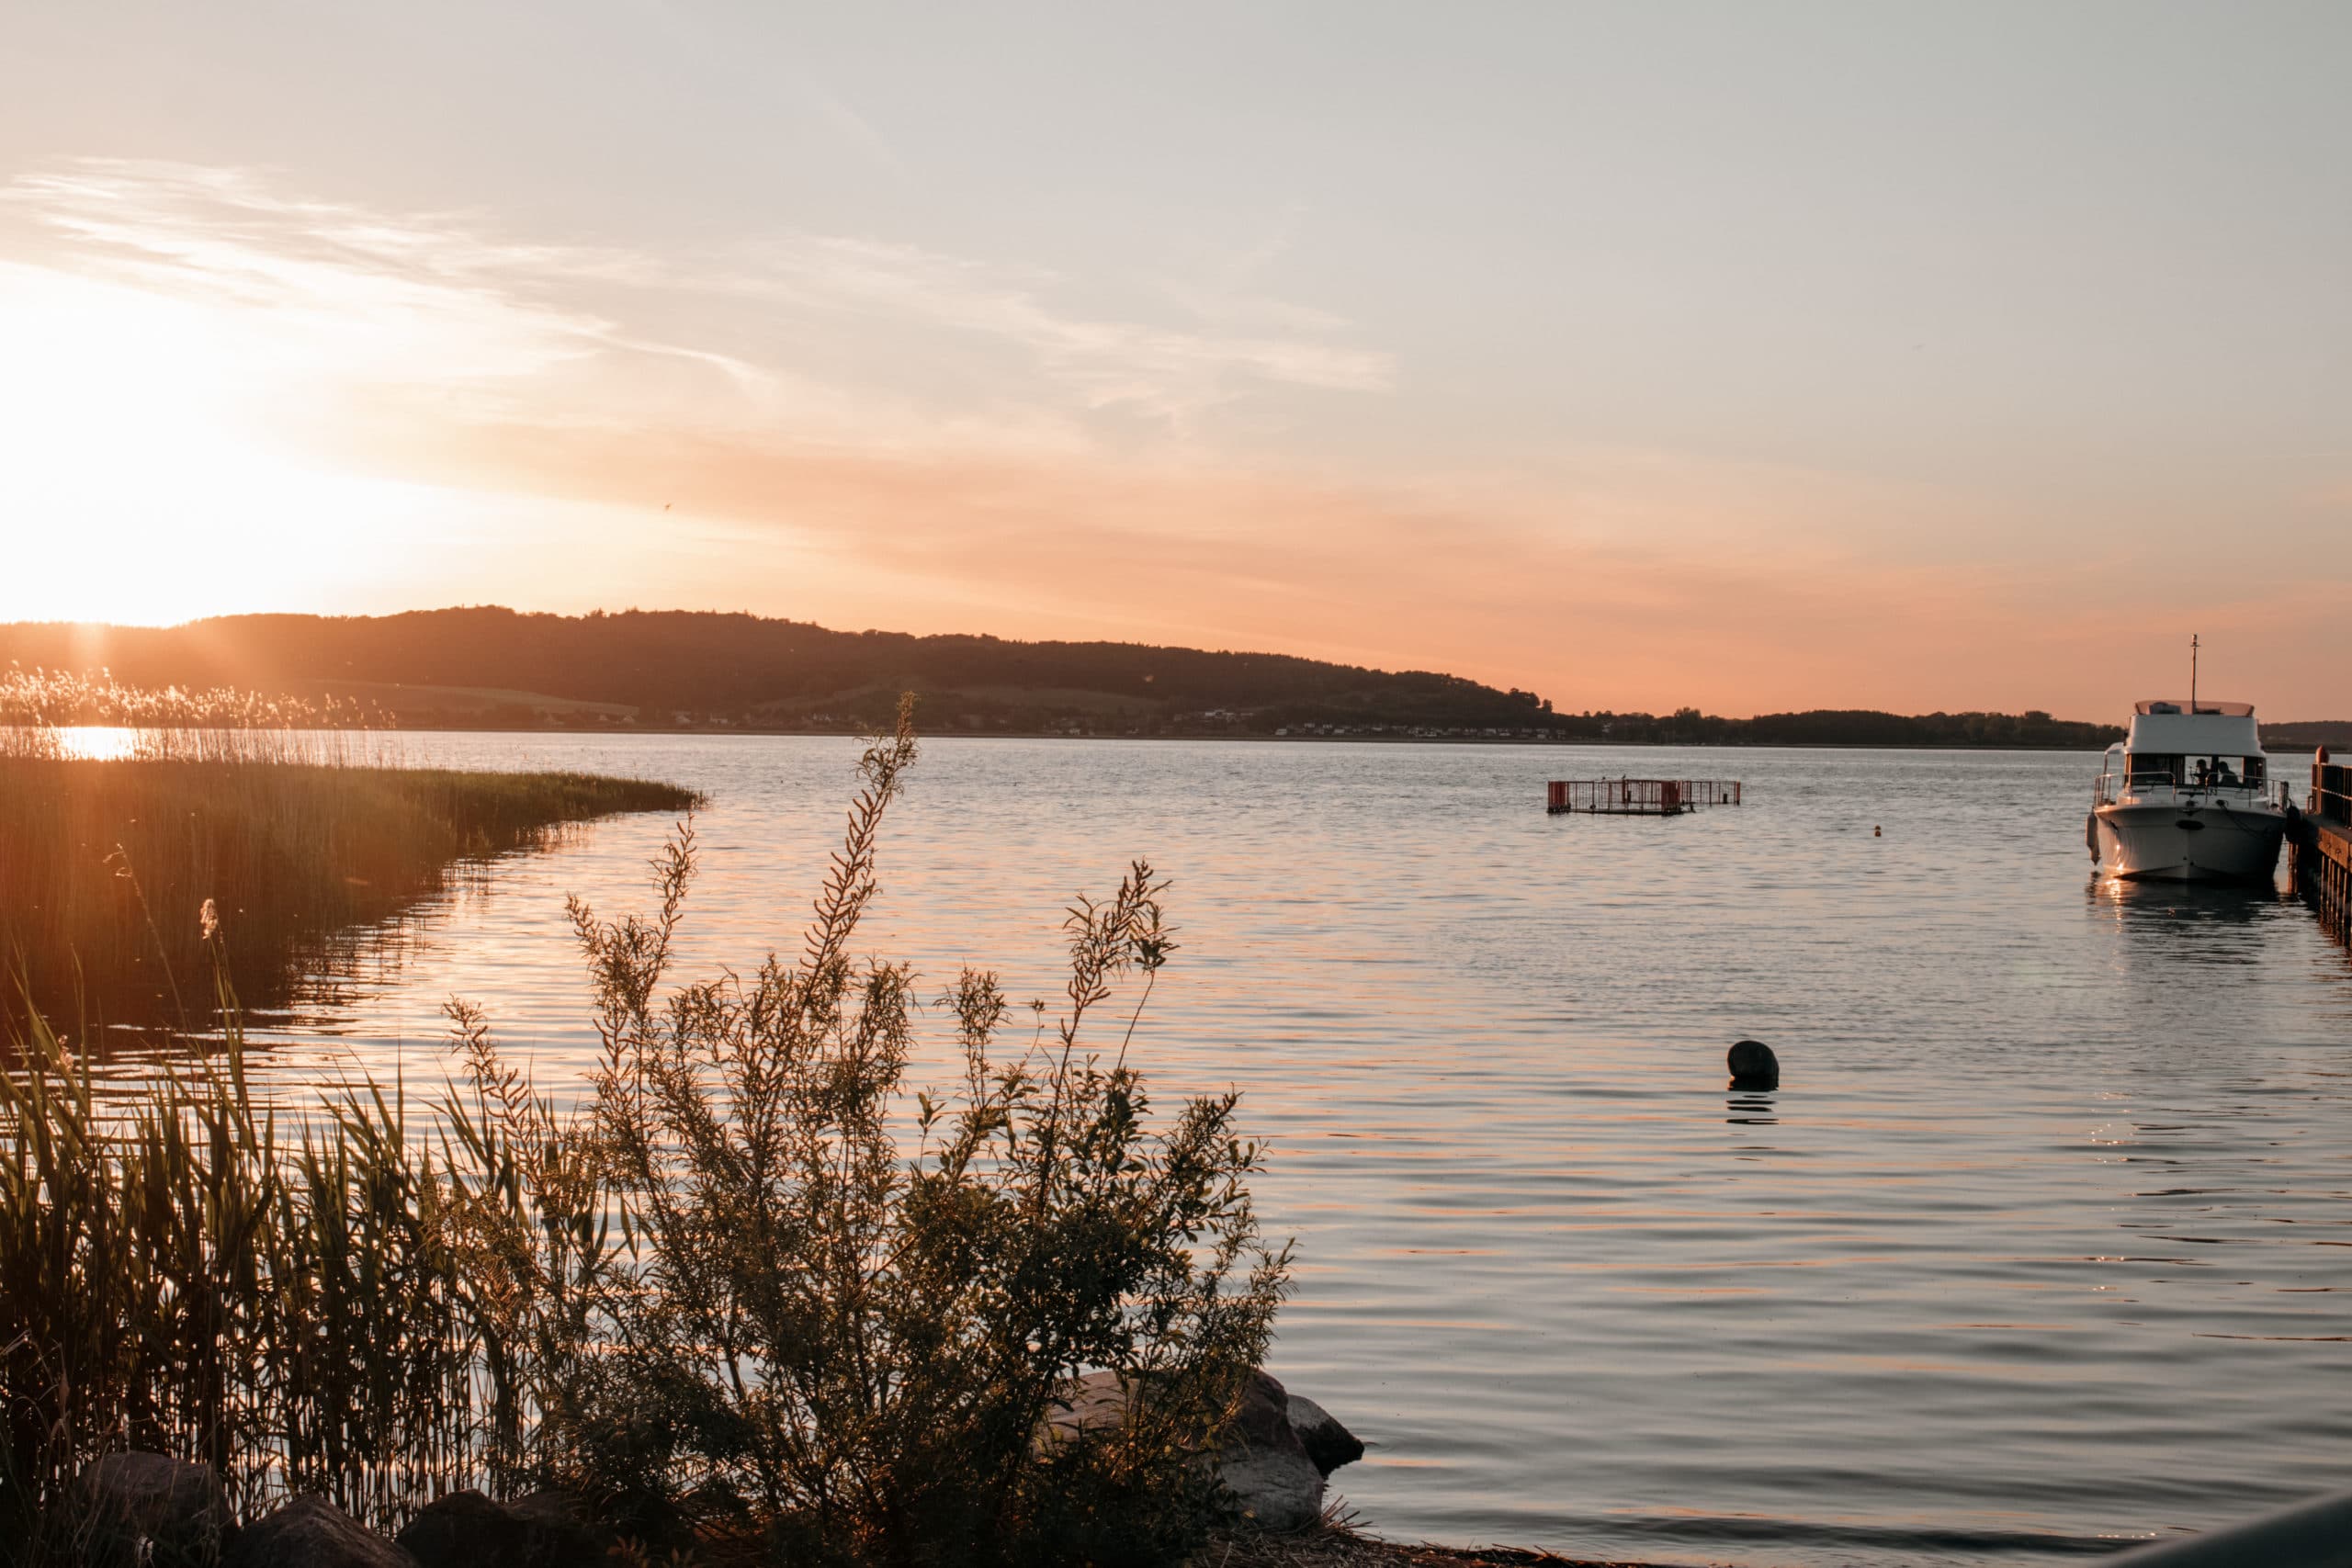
{"points": [[2187, 796]]}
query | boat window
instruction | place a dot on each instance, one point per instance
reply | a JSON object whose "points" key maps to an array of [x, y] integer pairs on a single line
{"points": [[2153, 767], [2223, 773]]}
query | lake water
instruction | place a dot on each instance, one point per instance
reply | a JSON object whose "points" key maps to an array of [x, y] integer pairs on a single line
{"points": [[2044, 1242]]}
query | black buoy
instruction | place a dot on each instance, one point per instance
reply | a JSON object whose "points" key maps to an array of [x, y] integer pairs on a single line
{"points": [[1753, 1065]]}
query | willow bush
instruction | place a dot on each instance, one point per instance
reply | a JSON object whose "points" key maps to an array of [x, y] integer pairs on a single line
{"points": [[753, 1291]]}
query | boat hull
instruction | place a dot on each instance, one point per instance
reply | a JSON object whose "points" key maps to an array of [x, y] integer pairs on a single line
{"points": [[2188, 843]]}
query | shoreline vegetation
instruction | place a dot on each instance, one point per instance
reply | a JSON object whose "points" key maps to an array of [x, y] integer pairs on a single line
{"points": [[489, 668], [293, 825], [743, 1295], [107, 860]]}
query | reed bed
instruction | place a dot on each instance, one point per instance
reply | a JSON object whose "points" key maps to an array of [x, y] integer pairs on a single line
{"points": [[189, 1272], [51, 715], [104, 863]]}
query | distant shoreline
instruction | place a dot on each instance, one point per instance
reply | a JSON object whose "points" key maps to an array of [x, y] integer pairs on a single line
{"points": [[690, 671], [1517, 740]]}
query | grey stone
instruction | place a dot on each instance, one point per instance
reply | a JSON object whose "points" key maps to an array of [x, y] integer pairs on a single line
{"points": [[1264, 1459], [146, 1508], [465, 1529], [1326, 1442], [1275, 1489], [1262, 1418], [311, 1532], [1263, 1463], [1096, 1403]]}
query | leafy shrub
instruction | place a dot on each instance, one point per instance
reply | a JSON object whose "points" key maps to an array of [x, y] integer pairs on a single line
{"points": [[842, 1315]]}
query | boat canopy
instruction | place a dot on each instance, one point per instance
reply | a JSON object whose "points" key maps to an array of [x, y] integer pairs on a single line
{"points": [[2215, 729], [2182, 704]]}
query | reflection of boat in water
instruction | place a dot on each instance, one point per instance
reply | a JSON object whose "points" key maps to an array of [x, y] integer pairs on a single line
{"points": [[2187, 796]]}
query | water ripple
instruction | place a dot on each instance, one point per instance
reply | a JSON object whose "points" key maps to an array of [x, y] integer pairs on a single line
{"points": [[2039, 1248]]}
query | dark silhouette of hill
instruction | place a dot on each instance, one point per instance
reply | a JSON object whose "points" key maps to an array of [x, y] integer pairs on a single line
{"points": [[489, 667], [2303, 734]]}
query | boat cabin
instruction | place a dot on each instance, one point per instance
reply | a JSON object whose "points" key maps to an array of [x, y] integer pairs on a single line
{"points": [[2202, 745]]}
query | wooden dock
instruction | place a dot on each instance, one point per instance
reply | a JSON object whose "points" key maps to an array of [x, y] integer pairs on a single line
{"points": [[2323, 845]]}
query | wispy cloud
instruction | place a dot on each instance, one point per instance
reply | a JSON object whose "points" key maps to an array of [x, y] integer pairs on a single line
{"points": [[863, 430], [355, 295], [444, 296], [1168, 371]]}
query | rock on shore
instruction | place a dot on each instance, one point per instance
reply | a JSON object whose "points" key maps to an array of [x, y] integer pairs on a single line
{"points": [[1272, 1457], [465, 1529], [146, 1509], [1327, 1443], [143, 1508], [311, 1532]]}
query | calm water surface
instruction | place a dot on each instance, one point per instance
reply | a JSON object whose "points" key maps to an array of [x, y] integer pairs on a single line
{"points": [[2045, 1241]]}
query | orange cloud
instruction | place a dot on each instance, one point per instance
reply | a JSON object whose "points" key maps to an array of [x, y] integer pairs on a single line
{"points": [[867, 434], [1598, 599]]}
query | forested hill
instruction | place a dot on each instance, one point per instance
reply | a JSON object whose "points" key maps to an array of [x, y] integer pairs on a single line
{"points": [[2301, 736], [494, 668], [653, 666]]}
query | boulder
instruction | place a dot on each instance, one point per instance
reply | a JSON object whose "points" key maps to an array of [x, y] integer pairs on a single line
{"points": [[462, 1526], [1327, 1443], [1095, 1403], [143, 1509], [1263, 1463], [311, 1532], [1278, 1492], [465, 1529], [1262, 1418], [1271, 1456]]}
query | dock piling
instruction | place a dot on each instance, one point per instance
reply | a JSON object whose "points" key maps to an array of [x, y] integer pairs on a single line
{"points": [[2322, 863]]}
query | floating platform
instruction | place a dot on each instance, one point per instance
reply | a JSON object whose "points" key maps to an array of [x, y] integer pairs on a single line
{"points": [[1637, 797], [2323, 846]]}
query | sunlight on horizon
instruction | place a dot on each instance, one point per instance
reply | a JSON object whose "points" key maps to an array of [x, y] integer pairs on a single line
{"points": [[136, 438], [96, 742], [229, 394]]}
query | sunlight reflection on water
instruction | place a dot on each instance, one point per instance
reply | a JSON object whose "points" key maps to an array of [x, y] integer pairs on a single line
{"points": [[2042, 1239], [95, 742]]}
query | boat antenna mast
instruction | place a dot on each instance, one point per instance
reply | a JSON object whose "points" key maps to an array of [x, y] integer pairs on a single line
{"points": [[2192, 671]]}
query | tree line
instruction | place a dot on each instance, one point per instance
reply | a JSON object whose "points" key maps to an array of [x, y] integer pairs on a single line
{"points": [[491, 667]]}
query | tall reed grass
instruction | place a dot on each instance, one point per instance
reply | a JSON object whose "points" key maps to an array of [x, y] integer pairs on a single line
{"points": [[755, 1292], [194, 1272], [295, 818], [47, 715]]}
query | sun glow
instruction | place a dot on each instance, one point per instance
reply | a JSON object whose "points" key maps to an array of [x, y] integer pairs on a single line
{"points": [[140, 486], [96, 742]]}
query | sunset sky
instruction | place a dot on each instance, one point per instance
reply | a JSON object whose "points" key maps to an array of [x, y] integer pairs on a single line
{"points": [[1748, 356]]}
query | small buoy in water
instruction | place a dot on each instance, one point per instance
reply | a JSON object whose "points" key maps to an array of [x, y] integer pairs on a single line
{"points": [[1753, 1065], [1878, 832]]}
